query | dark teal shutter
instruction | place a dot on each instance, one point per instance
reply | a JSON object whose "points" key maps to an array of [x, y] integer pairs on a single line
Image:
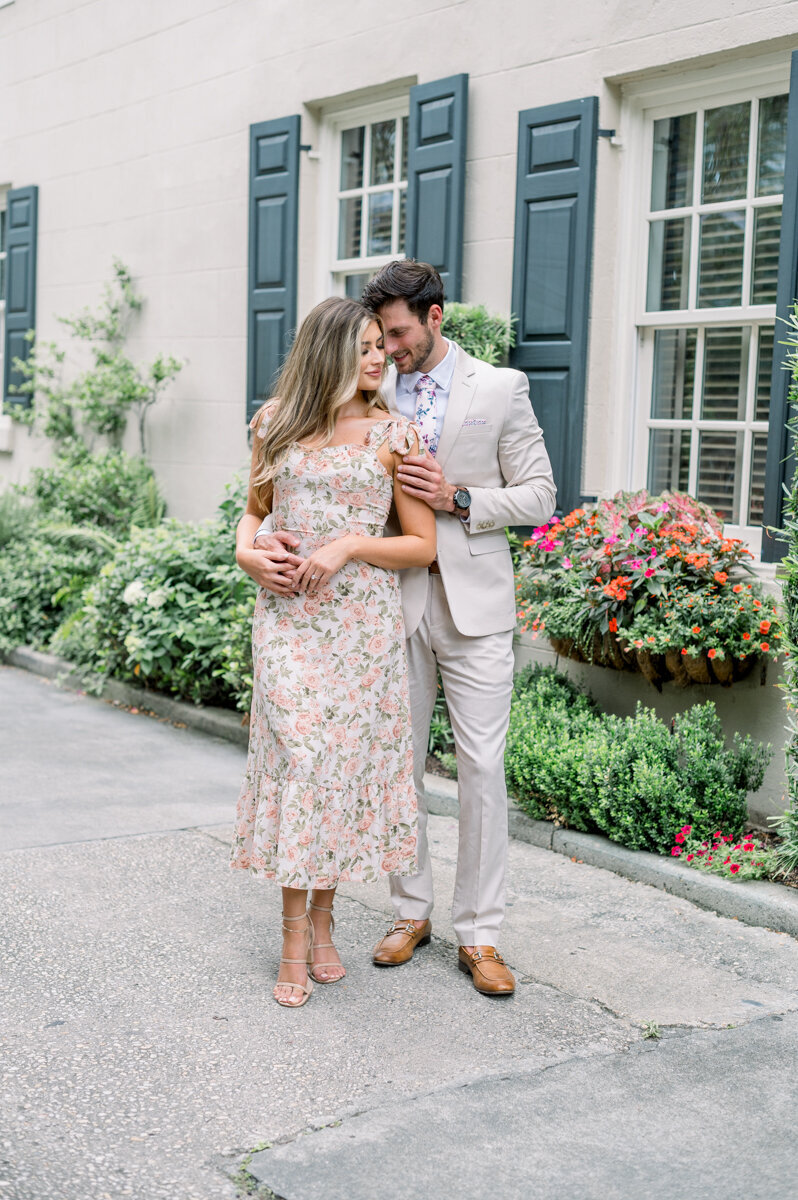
{"points": [[273, 223], [436, 177], [780, 463], [551, 275], [21, 218]]}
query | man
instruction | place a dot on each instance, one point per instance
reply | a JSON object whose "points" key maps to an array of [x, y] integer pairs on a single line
{"points": [[484, 467]]}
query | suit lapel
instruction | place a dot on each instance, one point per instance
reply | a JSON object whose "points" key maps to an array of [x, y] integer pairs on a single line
{"points": [[461, 394]]}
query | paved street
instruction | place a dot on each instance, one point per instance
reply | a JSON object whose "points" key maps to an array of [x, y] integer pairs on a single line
{"points": [[142, 1054]]}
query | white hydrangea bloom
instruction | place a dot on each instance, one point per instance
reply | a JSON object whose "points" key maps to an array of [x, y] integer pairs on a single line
{"points": [[157, 598], [134, 592]]}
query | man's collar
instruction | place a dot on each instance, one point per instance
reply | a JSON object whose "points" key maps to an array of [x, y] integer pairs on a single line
{"points": [[441, 375]]}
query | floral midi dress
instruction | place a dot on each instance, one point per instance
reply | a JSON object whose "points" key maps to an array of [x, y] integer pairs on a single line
{"points": [[328, 794]]}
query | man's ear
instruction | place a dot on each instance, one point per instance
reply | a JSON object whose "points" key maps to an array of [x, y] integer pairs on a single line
{"points": [[435, 316]]}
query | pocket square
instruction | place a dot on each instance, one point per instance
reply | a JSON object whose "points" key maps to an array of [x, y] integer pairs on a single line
{"points": [[475, 421]]}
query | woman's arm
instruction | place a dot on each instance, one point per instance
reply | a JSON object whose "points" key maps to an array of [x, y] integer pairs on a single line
{"points": [[271, 566], [416, 547]]}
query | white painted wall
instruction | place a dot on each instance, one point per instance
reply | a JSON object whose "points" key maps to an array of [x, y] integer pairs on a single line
{"points": [[132, 117]]}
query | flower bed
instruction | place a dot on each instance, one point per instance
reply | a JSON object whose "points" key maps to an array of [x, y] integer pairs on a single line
{"points": [[650, 584]]}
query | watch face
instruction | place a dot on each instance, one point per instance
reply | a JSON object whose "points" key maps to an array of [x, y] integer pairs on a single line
{"points": [[462, 498]]}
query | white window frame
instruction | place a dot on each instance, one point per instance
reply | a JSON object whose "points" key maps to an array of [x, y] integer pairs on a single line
{"points": [[333, 269], [643, 103]]}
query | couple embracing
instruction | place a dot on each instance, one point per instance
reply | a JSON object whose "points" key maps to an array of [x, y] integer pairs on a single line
{"points": [[375, 529]]}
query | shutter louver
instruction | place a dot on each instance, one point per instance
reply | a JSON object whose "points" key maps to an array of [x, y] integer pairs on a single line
{"points": [[21, 217]]}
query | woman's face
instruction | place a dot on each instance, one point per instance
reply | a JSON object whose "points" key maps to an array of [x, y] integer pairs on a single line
{"points": [[372, 359]]}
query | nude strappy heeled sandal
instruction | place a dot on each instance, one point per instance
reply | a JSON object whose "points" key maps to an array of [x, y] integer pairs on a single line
{"points": [[314, 967], [306, 962]]}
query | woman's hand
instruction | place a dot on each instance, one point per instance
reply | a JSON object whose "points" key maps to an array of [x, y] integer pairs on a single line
{"points": [[319, 567]]}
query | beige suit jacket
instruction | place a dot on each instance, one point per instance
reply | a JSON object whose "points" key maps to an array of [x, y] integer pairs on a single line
{"points": [[492, 444]]}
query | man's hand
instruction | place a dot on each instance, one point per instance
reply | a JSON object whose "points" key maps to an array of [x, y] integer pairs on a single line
{"points": [[420, 475], [272, 564]]}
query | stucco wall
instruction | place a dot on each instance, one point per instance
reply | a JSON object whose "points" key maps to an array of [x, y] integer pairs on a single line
{"points": [[133, 120]]}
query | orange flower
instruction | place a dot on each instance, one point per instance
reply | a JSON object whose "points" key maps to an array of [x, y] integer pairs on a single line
{"points": [[746, 637], [683, 650], [696, 629], [764, 626], [720, 576], [738, 587], [711, 653], [764, 647], [613, 625]]}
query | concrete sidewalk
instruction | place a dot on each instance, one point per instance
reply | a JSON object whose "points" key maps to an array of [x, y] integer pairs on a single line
{"points": [[142, 1054]]}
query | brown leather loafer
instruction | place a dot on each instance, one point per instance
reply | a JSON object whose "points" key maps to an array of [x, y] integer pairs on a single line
{"points": [[400, 942], [488, 970]]}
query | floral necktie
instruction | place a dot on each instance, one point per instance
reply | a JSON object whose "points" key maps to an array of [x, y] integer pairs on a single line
{"points": [[427, 412]]}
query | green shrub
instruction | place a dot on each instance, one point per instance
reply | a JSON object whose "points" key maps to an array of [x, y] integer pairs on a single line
{"points": [[632, 778], [108, 488], [41, 582], [482, 334], [15, 518], [171, 610]]}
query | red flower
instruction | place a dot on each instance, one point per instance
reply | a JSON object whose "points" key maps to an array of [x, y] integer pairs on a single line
{"points": [[679, 838], [720, 576], [764, 626], [734, 868], [711, 653], [686, 829], [683, 650], [746, 637], [764, 647], [675, 852], [748, 846], [690, 857], [696, 629], [613, 625]]}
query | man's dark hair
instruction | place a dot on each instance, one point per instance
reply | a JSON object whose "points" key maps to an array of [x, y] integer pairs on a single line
{"points": [[417, 283]]}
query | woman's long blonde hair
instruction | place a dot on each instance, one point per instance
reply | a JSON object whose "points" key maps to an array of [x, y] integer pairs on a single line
{"points": [[318, 377]]}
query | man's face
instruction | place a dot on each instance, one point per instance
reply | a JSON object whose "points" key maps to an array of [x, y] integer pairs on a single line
{"points": [[409, 342]]}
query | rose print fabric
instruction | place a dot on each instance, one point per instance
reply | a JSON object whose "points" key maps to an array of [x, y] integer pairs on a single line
{"points": [[328, 794]]}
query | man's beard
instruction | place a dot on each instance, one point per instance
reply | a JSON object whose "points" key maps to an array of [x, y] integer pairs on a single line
{"points": [[420, 356]]}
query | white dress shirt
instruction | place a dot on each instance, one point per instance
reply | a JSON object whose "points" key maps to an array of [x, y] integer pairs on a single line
{"points": [[406, 395]]}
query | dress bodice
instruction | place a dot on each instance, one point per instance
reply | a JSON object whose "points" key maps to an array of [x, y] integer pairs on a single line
{"points": [[333, 490]]}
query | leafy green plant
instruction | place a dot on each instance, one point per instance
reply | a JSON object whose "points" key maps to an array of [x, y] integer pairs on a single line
{"points": [[720, 854], [107, 489], [786, 857], [170, 610], [101, 398], [484, 335], [633, 778], [15, 517]]}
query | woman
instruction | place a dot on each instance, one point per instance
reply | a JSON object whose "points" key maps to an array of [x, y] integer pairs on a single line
{"points": [[328, 793]]}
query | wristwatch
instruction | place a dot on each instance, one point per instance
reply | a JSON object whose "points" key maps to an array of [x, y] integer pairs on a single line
{"points": [[461, 498]]}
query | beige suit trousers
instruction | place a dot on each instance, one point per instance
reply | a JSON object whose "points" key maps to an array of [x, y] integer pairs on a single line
{"points": [[477, 676]]}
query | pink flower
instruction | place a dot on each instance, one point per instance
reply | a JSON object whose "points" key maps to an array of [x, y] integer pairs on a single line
{"points": [[566, 562], [676, 851], [734, 868], [649, 572], [686, 828]]}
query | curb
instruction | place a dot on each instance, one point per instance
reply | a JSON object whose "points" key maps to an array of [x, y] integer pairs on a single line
{"points": [[754, 902]]}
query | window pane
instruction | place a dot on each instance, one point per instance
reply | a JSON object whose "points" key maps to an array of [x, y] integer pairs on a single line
{"points": [[383, 151], [668, 262], [772, 145], [400, 248], [380, 221], [674, 373], [720, 259], [350, 216], [767, 231], [759, 453], [725, 374], [354, 284], [405, 134], [668, 460], [764, 370], [674, 151], [726, 152], [352, 158], [719, 462], [2, 229]]}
